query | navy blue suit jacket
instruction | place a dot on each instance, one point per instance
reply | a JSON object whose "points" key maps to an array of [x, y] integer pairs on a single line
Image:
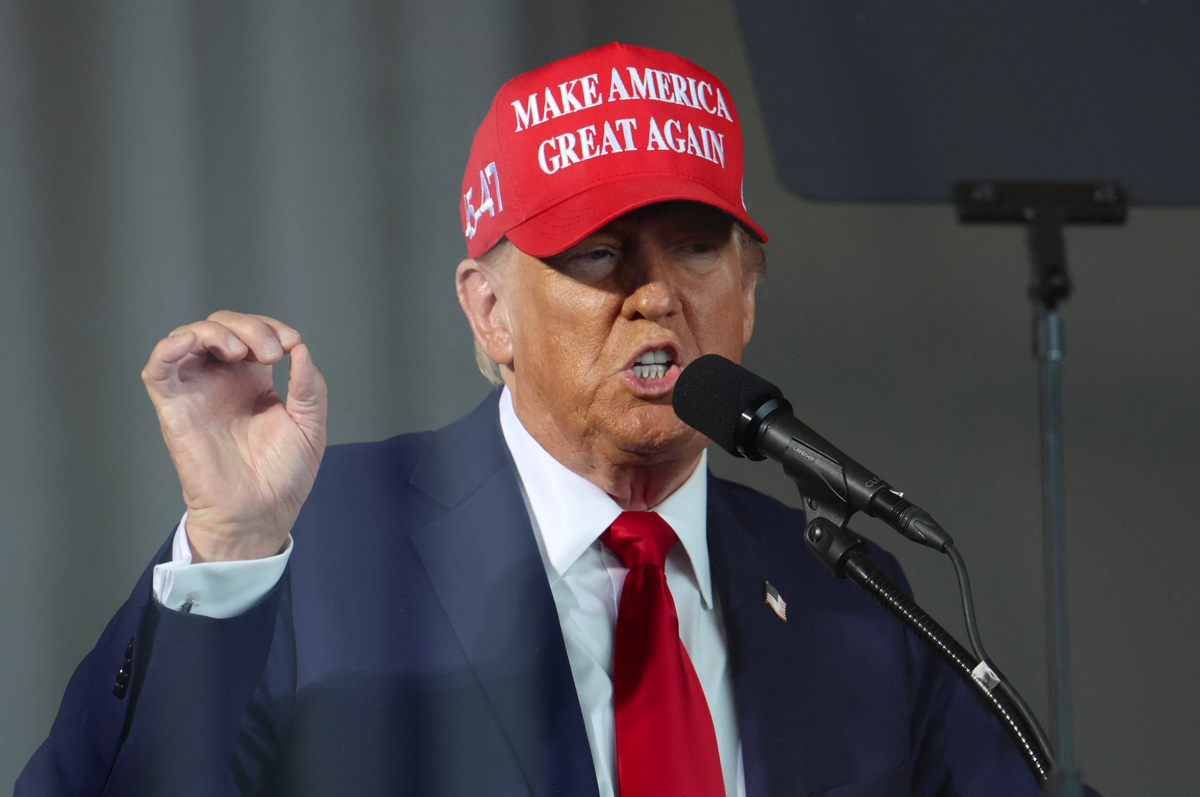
{"points": [[413, 648]]}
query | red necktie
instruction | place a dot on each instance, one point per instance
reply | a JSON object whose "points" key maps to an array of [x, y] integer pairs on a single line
{"points": [[666, 744]]}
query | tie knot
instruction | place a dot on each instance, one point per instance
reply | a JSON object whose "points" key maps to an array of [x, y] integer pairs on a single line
{"points": [[640, 538]]}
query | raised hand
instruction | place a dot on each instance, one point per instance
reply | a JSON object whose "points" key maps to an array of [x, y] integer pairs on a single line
{"points": [[245, 458]]}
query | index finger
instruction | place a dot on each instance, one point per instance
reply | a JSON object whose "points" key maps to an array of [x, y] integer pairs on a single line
{"points": [[287, 336], [200, 337]]}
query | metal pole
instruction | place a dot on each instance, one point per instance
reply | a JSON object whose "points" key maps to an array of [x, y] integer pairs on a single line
{"points": [[1066, 781], [1044, 208]]}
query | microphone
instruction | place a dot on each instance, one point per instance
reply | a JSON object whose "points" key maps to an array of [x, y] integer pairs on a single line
{"points": [[749, 417]]}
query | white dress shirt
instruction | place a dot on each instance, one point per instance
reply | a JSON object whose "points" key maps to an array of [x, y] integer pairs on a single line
{"points": [[568, 515]]}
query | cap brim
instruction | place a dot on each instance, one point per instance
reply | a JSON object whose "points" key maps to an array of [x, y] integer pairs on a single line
{"points": [[565, 224]]}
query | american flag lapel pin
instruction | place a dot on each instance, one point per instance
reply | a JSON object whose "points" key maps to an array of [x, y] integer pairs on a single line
{"points": [[773, 599]]}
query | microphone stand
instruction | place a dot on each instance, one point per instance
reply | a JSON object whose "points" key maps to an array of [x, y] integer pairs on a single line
{"points": [[846, 555], [1045, 208]]}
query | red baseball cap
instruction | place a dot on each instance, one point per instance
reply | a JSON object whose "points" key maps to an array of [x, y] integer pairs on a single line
{"points": [[569, 147]]}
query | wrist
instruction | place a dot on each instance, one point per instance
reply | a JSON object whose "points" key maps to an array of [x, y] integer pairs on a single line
{"points": [[226, 545]]}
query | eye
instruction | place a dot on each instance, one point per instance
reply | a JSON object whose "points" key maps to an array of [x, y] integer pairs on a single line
{"points": [[698, 253], [600, 254], [588, 263]]}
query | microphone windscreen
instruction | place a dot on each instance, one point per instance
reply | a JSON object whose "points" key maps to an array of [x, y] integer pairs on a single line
{"points": [[713, 392]]}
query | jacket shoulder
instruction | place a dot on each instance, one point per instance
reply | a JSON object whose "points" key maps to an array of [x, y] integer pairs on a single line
{"points": [[414, 476]]}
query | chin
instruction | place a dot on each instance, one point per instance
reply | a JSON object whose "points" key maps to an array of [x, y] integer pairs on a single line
{"points": [[655, 437]]}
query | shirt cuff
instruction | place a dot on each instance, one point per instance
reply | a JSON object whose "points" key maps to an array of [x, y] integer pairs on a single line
{"points": [[214, 589]]}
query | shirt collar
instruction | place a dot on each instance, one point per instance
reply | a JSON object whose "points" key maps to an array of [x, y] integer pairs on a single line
{"points": [[570, 513]]}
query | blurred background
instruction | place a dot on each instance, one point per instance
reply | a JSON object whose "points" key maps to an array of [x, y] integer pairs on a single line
{"points": [[160, 160]]}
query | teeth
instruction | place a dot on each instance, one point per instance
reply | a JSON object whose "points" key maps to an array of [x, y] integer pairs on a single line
{"points": [[652, 365], [657, 371], [654, 357]]}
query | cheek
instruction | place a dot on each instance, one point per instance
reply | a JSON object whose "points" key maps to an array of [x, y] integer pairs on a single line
{"points": [[564, 334], [719, 316], [748, 299], [581, 320]]}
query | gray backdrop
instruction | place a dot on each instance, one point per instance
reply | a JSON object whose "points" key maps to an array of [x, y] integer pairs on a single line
{"points": [[159, 160]]}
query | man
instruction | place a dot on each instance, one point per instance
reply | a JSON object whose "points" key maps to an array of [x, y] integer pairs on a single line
{"points": [[481, 609]]}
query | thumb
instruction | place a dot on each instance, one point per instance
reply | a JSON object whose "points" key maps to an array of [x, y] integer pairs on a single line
{"points": [[307, 396]]}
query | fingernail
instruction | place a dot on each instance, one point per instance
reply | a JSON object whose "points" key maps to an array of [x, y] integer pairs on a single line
{"points": [[272, 348], [236, 344], [289, 335]]}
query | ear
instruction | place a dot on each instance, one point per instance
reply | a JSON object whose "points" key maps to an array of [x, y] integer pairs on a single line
{"points": [[481, 297], [748, 288]]}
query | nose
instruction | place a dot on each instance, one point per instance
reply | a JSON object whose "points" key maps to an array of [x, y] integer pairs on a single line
{"points": [[651, 292]]}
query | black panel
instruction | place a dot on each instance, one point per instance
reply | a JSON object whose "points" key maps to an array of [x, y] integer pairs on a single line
{"points": [[884, 100]]}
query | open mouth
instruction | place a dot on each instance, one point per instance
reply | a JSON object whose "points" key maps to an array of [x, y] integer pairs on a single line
{"points": [[653, 365]]}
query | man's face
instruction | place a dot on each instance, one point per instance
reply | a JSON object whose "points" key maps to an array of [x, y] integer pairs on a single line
{"points": [[600, 332]]}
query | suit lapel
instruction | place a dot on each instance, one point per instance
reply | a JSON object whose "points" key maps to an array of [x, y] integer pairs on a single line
{"points": [[778, 679], [484, 564]]}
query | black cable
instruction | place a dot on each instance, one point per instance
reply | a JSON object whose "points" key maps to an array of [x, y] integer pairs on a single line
{"points": [[964, 589], [1036, 753]]}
